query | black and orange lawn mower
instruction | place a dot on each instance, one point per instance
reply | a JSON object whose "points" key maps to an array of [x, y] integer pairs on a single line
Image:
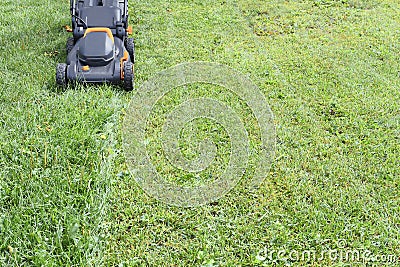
{"points": [[100, 50]]}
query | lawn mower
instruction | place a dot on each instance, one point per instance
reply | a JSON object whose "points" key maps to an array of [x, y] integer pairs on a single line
{"points": [[100, 50]]}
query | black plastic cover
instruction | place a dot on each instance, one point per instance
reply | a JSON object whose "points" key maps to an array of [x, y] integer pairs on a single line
{"points": [[96, 49], [100, 16]]}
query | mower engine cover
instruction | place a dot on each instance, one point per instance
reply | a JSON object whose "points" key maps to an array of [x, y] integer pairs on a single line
{"points": [[96, 49]]}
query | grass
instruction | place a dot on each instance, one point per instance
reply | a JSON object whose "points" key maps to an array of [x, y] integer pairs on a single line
{"points": [[330, 72]]}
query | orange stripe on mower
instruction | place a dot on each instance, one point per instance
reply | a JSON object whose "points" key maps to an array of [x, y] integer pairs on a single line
{"points": [[123, 59], [106, 30]]}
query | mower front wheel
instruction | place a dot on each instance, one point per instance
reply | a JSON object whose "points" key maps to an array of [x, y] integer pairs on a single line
{"points": [[61, 75], [128, 76]]}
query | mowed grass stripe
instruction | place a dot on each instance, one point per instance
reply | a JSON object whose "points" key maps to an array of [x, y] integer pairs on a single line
{"points": [[336, 107]]}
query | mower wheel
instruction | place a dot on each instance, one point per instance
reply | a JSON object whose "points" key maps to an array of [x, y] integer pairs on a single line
{"points": [[70, 44], [128, 76], [130, 47], [61, 75]]}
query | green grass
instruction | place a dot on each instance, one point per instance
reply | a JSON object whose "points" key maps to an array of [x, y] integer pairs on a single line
{"points": [[330, 71]]}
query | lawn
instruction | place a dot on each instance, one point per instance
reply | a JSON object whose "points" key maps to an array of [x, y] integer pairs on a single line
{"points": [[330, 71]]}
